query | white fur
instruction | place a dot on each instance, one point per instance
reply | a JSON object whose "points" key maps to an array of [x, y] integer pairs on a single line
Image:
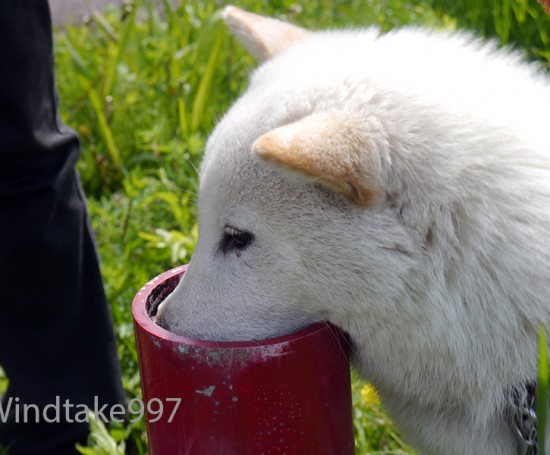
{"points": [[442, 283]]}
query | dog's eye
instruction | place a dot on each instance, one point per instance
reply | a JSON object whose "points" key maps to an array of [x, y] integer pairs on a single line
{"points": [[235, 240]]}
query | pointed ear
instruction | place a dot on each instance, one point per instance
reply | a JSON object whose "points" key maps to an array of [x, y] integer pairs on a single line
{"points": [[335, 150], [263, 37]]}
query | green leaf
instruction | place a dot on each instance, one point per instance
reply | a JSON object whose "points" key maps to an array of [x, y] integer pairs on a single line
{"points": [[100, 442]]}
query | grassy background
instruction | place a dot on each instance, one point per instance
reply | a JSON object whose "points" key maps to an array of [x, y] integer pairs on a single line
{"points": [[143, 90]]}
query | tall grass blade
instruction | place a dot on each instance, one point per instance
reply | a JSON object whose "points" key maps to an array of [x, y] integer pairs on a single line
{"points": [[104, 128], [150, 6], [121, 46], [169, 12], [103, 23], [542, 391], [182, 115], [201, 98], [80, 63]]}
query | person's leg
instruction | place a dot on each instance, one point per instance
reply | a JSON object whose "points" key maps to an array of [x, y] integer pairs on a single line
{"points": [[56, 338]]}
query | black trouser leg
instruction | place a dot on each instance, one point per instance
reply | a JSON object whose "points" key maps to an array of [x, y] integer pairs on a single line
{"points": [[56, 338]]}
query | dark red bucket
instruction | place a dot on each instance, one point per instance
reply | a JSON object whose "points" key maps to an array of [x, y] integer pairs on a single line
{"points": [[286, 395]]}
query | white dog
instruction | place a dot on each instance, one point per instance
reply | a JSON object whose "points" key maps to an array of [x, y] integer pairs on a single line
{"points": [[397, 185]]}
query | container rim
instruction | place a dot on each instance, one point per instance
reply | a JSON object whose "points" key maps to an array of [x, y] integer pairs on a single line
{"points": [[142, 318]]}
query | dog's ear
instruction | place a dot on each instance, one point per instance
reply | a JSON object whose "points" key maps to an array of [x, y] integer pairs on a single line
{"points": [[338, 151], [262, 36]]}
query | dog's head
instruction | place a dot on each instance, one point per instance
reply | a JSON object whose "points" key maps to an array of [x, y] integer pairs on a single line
{"points": [[294, 219]]}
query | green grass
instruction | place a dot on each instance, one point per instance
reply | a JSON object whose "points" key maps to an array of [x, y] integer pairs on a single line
{"points": [[143, 91]]}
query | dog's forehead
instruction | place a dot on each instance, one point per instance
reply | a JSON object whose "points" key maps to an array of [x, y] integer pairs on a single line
{"points": [[234, 178], [281, 91], [228, 158], [233, 175]]}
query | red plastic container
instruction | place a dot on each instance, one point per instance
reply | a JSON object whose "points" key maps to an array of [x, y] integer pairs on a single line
{"points": [[287, 395]]}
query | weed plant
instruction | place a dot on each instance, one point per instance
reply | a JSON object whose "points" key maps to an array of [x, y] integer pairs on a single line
{"points": [[145, 83]]}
